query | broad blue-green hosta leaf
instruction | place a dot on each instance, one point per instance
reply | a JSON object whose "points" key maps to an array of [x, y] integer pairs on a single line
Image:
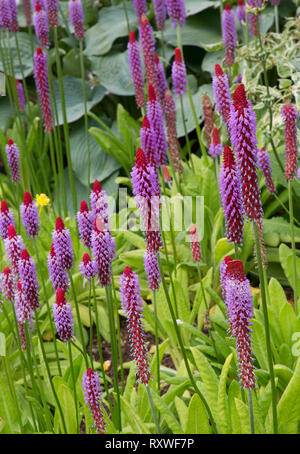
{"points": [[113, 72], [102, 164], [201, 30], [196, 6], [74, 98], [25, 53], [110, 26]]}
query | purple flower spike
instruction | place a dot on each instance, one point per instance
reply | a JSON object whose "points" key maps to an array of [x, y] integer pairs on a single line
{"points": [[152, 270], [229, 34], [176, 11], [21, 96], [6, 218], [85, 219], [136, 70], [58, 276], [155, 118], [179, 74], [63, 317], [5, 14], [41, 27], [148, 142], [41, 81], [160, 12], [62, 244], [104, 251], [7, 284], [146, 189], [14, 246], [13, 159], [170, 115], [30, 286], [263, 161], [87, 267], [30, 216], [132, 305], [14, 25], [52, 11], [23, 308], [290, 117], [27, 12], [215, 148], [76, 17], [231, 198], [140, 7], [241, 11], [92, 396], [162, 84], [99, 204], [240, 311], [148, 47], [222, 93], [242, 124]]}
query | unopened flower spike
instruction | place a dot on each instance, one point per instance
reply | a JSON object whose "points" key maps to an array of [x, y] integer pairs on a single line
{"points": [[30, 216], [222, 94], [13, 160], [290, 117], [215, 148], [92, 396], [263, 161], [41, 81], [87, 267], [132, 305], [136, 71]]}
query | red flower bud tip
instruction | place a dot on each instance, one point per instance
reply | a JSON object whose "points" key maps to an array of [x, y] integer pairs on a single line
{"points": [[10, 142], [218, 70], [156, 58], [83, 207], [59, 225], [167, 177], [86, 258], [25, 255], [193, 229], [152, 96], [38, 7], [27, 198], [144, 20], [239, 97], [39, 51], [146, 123], [178, 57], [4, 207], [132, 38], [241, 2], [11, 232], [228, 7], [97, 186], [6, 271], [216, 138], [60, 297], [140, 160], [235, 268], [19, 285], [127, 271]]}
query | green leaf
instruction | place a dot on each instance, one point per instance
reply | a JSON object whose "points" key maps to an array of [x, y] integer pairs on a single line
{"points": [[66, 400], [288, 407], [74, 98], [243, 413], [2, 344], [102, 164], [196, 6], [24, 42], [197, 420], [223, 407], [259, 344], [166, 413], [113, 72], [133, 417], [209, 380], [110, 26], [286, 260]]}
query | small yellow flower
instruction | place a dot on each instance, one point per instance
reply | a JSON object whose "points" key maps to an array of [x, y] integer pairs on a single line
{"points": [[42, 200], [106, 365]]}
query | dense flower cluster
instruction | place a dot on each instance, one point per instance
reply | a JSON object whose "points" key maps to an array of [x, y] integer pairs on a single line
{"points": [[155, 116], [6, 218], [222, 93], [30, 216], [229, 34], [170, 115], [76, 17], [41, 80], [263, 161], [215, 148], [136, 71], [41, 27], [87, 267], [132, 306], [104, 250], [21, 96], [195, 244], [85, 219], [14, 246], [160, 12], [29, 282], [176, 11], [92, 396], [52, 11], [208, 117], [63, 318], [148, 47], [179, 74], [58, 276], [290, 116], [62, 245], [241, 11], [13, 160]]}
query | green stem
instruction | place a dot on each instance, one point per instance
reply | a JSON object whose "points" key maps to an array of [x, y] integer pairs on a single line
{"points": [[119, 339], [276, 18], [153, 409], [74, 382], [251, 414], [86, 124], [54, 172], [266, 323], [47, 305], [12, 388], [114, 351], [197, 390], [78, 319], [186, 134], [156, 341], [91, 326], [292, 227]]}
